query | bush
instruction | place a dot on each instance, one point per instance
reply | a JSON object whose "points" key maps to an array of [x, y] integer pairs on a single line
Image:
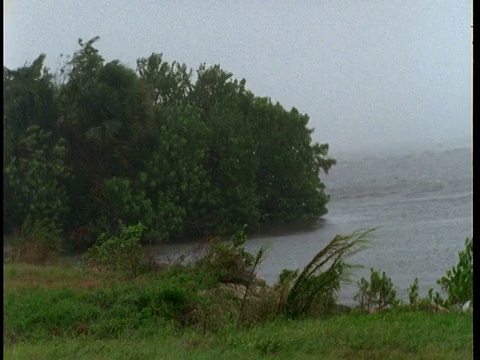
{"points": [[228, 262], [38, 241], [227, 269], [458, 282], [122, 253]]}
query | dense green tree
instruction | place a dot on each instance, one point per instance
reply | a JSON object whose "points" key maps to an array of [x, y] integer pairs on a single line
{"points": [[232, 168], [34, 154], [29, 98], [35, 181], [107, 118], [169, 84], [230, 159], [184, 155], [175, 179], [126, 204], [212, 87], [288, 176]]}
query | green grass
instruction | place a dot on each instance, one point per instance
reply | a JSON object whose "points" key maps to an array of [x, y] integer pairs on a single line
{"points": [[66, 275], [408, 335], [65, 312]]}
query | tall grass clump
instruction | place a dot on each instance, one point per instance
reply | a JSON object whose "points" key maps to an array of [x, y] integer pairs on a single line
{"points": [[319, 282]]}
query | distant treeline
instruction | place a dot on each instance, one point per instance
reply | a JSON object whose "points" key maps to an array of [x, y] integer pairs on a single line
{"points": [[97, 145]]}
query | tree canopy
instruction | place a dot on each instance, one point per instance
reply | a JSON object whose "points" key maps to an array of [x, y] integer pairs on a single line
{"points": [[186, 155]]}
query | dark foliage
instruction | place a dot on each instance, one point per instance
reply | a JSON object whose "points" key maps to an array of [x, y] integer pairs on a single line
{"points": [[187, 156]]}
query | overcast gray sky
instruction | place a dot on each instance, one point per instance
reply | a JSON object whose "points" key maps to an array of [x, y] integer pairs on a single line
{"points": [[370, 74]]}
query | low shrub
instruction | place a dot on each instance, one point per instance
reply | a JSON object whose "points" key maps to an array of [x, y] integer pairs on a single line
{"points": [[123, 252], [229, 262]]}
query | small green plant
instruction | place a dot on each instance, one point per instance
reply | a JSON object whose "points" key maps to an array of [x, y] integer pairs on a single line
{"points": [[435, 299], [362, 295], [270, 346], [376, 294], [458, 282], [122, 253], [413, 293]]}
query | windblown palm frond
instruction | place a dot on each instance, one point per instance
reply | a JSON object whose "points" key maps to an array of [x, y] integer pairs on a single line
{"points": [[323, 275]]}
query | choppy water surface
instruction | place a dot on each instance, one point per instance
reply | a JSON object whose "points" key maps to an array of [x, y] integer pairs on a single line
{"points": [[422, 204]]}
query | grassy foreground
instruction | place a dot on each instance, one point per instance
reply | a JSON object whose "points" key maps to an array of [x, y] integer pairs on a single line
{"points": [[64, 312], [380, 336]]}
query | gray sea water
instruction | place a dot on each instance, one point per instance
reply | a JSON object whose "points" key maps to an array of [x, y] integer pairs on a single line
{"points": [[421, 203]]}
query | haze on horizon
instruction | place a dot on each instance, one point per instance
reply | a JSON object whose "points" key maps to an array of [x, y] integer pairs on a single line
{"points": [[372, 75]]}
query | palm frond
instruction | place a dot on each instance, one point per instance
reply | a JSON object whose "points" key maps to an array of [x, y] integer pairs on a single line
{"points": [[326, 271]]}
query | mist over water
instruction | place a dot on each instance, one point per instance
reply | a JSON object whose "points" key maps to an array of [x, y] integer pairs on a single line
{"points": [[421, 203]]}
